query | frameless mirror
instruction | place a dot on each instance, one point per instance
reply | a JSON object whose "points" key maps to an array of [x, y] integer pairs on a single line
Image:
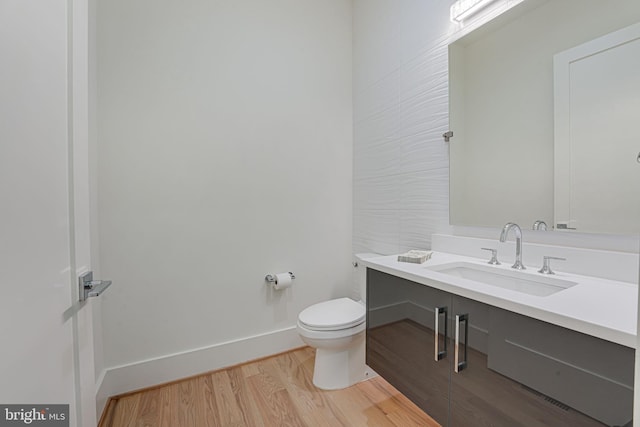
{"points": [[521, 152]]}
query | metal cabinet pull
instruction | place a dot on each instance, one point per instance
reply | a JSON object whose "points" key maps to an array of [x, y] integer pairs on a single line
{"points": [[439, 355], [458, 365]]}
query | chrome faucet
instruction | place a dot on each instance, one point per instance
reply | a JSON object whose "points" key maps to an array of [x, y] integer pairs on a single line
{"points": [[518, 232]]}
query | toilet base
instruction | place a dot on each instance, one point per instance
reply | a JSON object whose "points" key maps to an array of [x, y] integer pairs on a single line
{"points": [[336, 369]]}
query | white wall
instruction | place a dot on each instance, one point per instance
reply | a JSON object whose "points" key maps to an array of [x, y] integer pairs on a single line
{"points": [[401, 164], [225, 153]]}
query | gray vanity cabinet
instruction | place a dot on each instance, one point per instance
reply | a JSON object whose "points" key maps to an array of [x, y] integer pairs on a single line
{"points": [[568, 368], [401, 343], [470, 364], [411, 331]]}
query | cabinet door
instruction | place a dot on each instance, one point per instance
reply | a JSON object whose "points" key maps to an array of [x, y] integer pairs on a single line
{"points": [[588, 380], [406, 340], [475, 399], [499, 384]]}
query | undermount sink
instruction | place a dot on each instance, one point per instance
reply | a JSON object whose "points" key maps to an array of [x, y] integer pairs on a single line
{"points": [[528, 283]]}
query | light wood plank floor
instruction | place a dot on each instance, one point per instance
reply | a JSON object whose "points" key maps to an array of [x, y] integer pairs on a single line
{"points": [[277, 391]]}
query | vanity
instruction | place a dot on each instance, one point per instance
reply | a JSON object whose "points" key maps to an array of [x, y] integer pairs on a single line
{"points": [[478, 344], [475, 344], [534, 95]]}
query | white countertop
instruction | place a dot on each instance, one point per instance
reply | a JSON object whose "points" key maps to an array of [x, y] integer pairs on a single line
{"points": [[603, 308]]}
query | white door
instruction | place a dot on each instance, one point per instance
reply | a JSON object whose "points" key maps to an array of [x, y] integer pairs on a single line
{"points": [[46, 356], [597, 86]]}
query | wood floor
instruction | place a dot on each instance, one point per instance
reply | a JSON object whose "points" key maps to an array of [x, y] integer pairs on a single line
{"points": [[277, 391]]}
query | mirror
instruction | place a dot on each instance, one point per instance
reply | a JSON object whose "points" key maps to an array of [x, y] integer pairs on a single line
{"points": [[503, 116]]}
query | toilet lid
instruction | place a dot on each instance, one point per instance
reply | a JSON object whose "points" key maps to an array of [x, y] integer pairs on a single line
{"points": [[336, 314]]}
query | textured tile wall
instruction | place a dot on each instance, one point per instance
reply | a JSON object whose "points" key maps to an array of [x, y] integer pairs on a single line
{"points": [[401, 162]]}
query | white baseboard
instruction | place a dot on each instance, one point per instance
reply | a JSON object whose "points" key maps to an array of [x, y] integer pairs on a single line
{"points": [[122, 379]]}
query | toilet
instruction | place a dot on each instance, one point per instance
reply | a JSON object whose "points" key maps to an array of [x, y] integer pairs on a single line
{"points": [[336, 329]]}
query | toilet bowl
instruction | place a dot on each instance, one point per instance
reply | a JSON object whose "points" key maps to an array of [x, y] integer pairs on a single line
{"points": [[336, 329]]}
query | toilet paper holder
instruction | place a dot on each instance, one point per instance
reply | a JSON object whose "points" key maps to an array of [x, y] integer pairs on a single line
{"points": [[271, 278]]}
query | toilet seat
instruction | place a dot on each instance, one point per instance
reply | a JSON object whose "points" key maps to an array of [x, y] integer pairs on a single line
{"points": [[333, 315]]}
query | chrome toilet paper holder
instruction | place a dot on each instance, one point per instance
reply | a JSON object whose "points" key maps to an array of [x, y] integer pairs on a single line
{"points": [[271, 278]]}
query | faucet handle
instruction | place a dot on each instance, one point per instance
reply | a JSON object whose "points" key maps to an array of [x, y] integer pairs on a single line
{"points": [[494, 256], [540, 225], [546, 264]]}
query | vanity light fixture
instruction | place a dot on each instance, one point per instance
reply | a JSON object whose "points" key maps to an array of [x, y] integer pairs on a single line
{"points": [[462, 9]]}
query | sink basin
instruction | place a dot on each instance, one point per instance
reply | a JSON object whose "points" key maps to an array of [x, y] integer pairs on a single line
{"points": [[532, 283]]}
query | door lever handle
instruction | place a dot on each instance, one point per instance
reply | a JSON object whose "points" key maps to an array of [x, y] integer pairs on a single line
{"points": [[88, 287]]}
